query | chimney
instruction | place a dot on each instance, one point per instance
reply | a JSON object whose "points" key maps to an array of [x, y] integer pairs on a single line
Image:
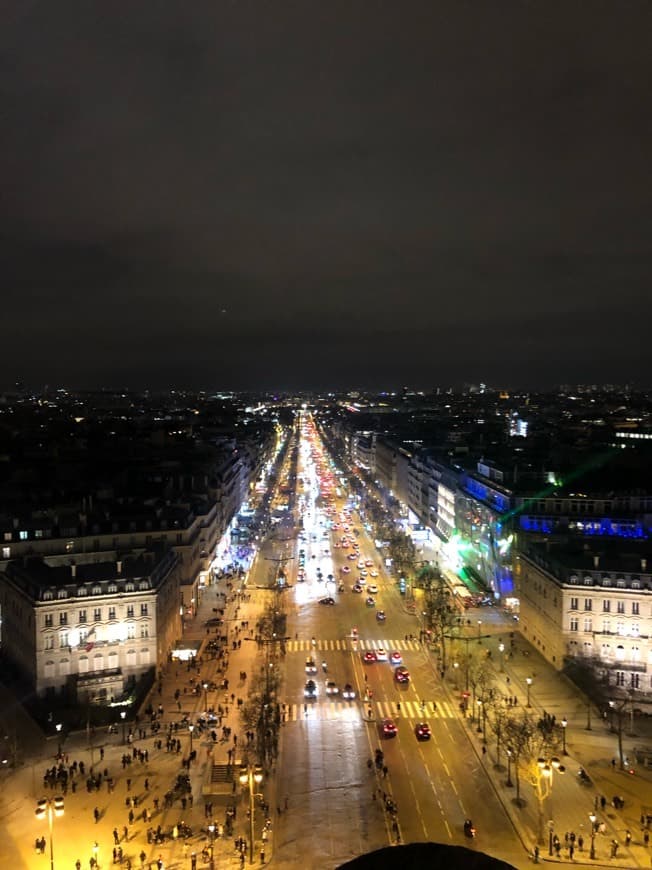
{"points": [[119, 566], [596, 561], [643, 564]]}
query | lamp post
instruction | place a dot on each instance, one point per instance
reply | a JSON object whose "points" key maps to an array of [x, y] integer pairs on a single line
{"points": [[51, 807], [205, 688], [528, 682], [251, 776], [479, 703], [509, 782], [58, 726], [123, 716], [592, 819], [191, 728], [479, 630], [501, 650], [564, 724], [211, 845], [456, 667], [547, 767]]}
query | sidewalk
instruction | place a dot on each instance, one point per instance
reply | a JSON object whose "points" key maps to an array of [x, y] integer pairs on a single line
{"points": [[570, 802]]}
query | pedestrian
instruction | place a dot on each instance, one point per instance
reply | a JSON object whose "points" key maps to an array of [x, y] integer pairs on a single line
{"points": [[628, 838], [580, 842], [96, 814], [571, 850], [536, 854], [646, 837], [125, 833], [116, 836]]}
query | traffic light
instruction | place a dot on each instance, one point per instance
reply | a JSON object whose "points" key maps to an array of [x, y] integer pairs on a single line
{"points": [[41, 808]]}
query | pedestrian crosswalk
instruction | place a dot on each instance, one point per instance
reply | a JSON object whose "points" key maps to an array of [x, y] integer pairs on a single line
{"points": [[350, 644], [343, 710]]}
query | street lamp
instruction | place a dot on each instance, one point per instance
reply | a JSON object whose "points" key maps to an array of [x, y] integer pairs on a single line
{"points": [[547, 767], [123, 716], [592, 819], [479, 703], [479, 630], [564, 723], [211, 831], [51, 807], [528, 682], [191, 728], [58, 726], [205, 688], [509, 782], [251, 776], [456, 667], [501, 650]]}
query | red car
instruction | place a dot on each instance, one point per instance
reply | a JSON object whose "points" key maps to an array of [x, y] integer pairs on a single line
{"points": [[422, 731], [369, 656], [389, 728], [402, 675]]}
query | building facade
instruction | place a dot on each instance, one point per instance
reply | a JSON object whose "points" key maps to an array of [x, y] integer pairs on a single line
{"points": [[88, 631]]}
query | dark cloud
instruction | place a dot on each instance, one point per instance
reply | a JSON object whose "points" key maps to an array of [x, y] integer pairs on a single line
{"points": [[317, 194]]}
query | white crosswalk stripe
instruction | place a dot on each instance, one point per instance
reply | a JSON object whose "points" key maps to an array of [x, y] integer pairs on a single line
{"points": [[348, 643], [353, 710]]}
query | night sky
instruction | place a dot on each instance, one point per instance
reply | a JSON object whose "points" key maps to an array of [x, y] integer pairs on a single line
{"points": [[326, 194]]}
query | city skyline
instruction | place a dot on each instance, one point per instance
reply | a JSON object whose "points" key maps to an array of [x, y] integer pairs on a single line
{"points": [[318, 198]]}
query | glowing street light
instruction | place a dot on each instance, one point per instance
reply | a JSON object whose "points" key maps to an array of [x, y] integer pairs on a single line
{"points": [[251, 776], [123, 716], [456, 667], [501, 650], [205, 688], [59, 726], [509, 782], [51, 807], [479, 630], [191, 728], [528, 682], [592, 819], [564, 723]]}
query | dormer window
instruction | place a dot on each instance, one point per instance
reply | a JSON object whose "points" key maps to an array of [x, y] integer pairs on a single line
{"points": [[112, 588], [62, 593], [129, 587], [97, 590], [82, 591]]}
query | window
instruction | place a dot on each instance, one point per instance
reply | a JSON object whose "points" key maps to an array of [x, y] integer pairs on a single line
{"points": [[6, 552], [63, 619], [63, 639], [49, 619], [62, 593], [82, 591], [131, 631], [635, 629], [143, 610], [620, 627], [620, 606], [635, 654], [574, 623], [129, 587], [588, 604], [48, 596], [635, 610], [38, 533], [97, 590], [111, 612], [49, 641], [112, 589], [620, 678], [606, 626], [573, 604], [82, 616], [7, 536], [606, 606], [144, 630], [588, 624], [97, 614], [635, 681], [23, 536], [588, 581], [130, 610], [143, 585]]}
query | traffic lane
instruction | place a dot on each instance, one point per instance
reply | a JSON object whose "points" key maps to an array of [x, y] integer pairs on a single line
{"points": [[332, 816]]}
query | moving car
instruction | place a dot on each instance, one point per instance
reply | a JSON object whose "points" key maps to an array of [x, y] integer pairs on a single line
{"points": [[356, 588], [422, 731], [396, 658], [310, 690], [345, 569], [372, 589], [402, 675], [311, 667], [380, 615], [389, 728], [369, 657], [370, 602], [327, 601], [381, 655], [373, 573], [348, 692], [332, 688]]}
